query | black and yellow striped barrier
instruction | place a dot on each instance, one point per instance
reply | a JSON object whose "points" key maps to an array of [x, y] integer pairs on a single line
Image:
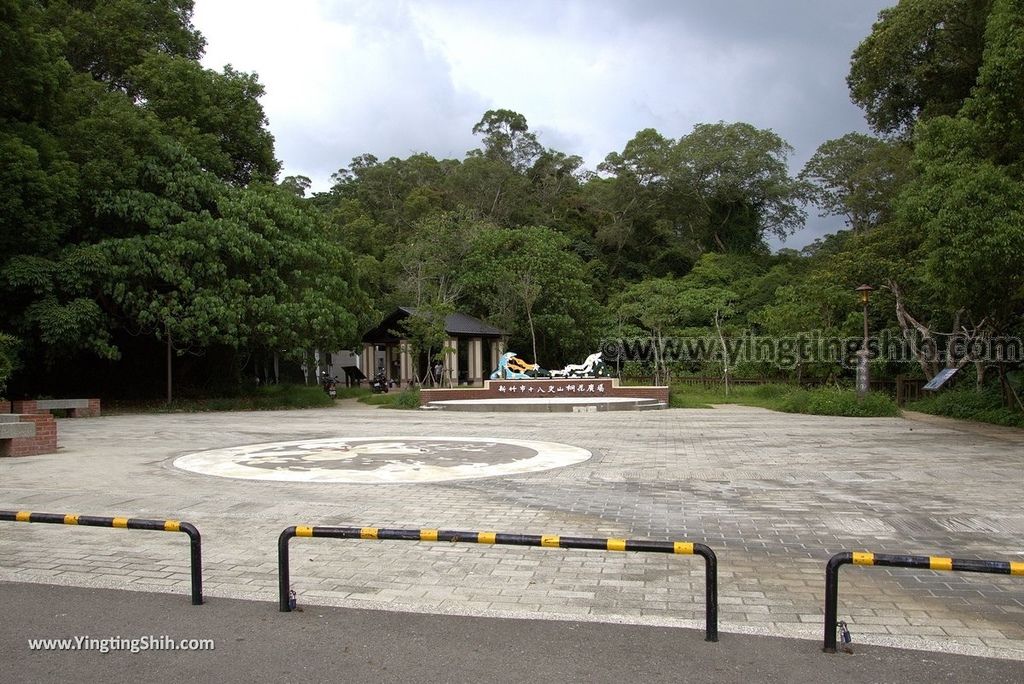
{"points": [[551, 541], [195, 540], [897, 561]]}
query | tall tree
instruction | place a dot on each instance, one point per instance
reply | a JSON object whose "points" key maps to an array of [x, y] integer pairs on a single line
{"points": [[529, 282], [921, 60], [106, 38], [507, 138], [217, 116], [739, 177], [858, 177]]}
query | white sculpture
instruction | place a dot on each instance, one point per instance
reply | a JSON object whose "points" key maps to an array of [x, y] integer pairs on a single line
{"points": [[591, 367]]}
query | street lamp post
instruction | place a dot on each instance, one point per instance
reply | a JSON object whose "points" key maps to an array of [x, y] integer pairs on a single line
{"points": [[863, 382]]}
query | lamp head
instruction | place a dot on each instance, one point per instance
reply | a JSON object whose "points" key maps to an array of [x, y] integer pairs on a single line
{"points": [[865, 293]]}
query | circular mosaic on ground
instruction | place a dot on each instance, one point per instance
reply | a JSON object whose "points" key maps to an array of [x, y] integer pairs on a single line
{"points": [[382, 459]]}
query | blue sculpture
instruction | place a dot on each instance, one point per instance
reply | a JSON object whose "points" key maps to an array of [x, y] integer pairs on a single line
{"points": [[511, 367]]}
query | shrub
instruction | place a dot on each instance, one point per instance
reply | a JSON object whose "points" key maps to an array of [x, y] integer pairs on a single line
{"points": [[967, 404], [823, 402], [828, 401], [406, 399]]}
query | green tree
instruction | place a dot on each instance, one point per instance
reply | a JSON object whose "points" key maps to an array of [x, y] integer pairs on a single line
{"points": [[136, 196], [507, 138], [105, 39], [217, 116], [965, 206], [921, 60], [529, 282], [858, 177], [723, 187], [739, 177]]}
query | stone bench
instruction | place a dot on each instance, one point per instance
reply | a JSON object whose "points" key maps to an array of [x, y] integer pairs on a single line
{"points": [[10, 429], [80, 408], [27, 435]]}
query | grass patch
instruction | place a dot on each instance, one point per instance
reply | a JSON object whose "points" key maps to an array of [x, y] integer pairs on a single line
{"points": [[405, 399], [353, 392], [967, 404], [825, 401]]}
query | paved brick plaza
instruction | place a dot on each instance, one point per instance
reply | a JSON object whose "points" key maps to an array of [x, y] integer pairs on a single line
{"points": [[774, 494]]}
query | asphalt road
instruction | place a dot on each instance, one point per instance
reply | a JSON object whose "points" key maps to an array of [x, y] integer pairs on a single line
{"points": [[255, 642]]}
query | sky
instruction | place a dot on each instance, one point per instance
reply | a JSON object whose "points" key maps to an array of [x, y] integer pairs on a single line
{"points": [[396, 77]]}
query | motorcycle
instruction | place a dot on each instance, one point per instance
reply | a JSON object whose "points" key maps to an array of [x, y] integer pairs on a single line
{"points": [[330, 384], [380, 383]]}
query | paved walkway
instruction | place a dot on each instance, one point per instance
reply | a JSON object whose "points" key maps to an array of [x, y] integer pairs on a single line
{"points": [[774, 494]]}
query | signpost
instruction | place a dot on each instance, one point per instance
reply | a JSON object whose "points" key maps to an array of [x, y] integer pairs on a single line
{"points": [[940, 378]]}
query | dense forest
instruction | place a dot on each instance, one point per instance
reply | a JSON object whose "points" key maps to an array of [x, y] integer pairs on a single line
{"points": [[143, 215]]}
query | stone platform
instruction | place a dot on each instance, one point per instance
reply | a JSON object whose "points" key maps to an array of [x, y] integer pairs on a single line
{"points": [[548, 395], [553, 405]]}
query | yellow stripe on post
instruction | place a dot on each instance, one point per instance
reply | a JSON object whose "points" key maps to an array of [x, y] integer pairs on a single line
{"points": [[549, 540], [940, 563], [1016, 568], [368, 533], [428, 535], [616, 544], [71, 519], [120, 522], [682, 547], [172, 526], [23, 516], [863, 558], [486, 537], [303, 531]]}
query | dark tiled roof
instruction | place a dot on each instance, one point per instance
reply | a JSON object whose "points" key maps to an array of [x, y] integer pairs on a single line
{"points": [[460, 324]]}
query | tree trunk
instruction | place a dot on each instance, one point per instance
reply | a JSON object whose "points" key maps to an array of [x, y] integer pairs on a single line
{"points": [[169, 355], [1010, 398], [533, 334], [725, 352]]}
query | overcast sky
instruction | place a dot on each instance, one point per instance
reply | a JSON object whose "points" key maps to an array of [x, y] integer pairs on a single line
{"points": [[394, 77]]}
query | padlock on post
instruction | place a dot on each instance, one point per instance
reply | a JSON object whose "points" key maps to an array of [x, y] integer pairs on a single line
{"points": [[845, 638]]}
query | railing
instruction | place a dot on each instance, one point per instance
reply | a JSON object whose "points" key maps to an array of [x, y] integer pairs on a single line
{"points": [[549, 541], [897, 561], [195, 541]]}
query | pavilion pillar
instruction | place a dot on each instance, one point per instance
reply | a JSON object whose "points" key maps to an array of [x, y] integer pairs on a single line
{"points": [[451, 360], [408, 372], [476, 361], [495, 353], [369, 352]]}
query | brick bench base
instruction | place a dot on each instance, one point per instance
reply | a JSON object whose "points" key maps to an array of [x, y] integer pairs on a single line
{"points": [[80, 408], [40, 439]]}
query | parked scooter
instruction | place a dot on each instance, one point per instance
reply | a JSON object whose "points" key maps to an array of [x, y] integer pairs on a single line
{"points": [[330, 384], [380, 383]]}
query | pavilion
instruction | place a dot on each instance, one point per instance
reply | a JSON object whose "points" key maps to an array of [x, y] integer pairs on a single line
{"points": [[471, 350]]}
